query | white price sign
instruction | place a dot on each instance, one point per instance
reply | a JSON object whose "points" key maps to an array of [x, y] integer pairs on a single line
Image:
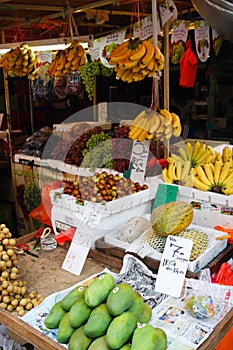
{"points": [[138, 161], [173, 266], [83, 238]]}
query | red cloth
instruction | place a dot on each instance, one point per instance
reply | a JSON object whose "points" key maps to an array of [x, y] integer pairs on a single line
{"points": [[188, 67]]}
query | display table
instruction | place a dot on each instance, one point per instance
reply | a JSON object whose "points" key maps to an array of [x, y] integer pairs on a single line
{"points": [[44, 274]]}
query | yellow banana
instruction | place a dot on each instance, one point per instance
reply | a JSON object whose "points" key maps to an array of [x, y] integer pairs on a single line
{"points": [[136, 69], [209, 172], [135, 132], [120, 72], [127, 63], [116, 59], [228, 191], [228, 180], [217, 170], [143, 135], [171, 171], [151, 64], [177, 131], [149, 54], [202, 176], [196, 148], [200, 185], [156, 122], [185, 169], [178, 169], [166, 114], [226, 168], [165, 176], [183, 153], [226, 154], [177, 158], [126, 74], [118, 49], [168, 132], [175, 120], [138, 53], [189, 149]]}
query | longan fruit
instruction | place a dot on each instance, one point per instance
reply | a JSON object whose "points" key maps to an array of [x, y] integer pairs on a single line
{"points": [[15, 269], [10, 288], [29, 306], [3, 305], [6, 299], [14, 302], [21, 312], [23, 302], [8, 263], [5, 284], [12, 241], [5, 274], [10, 252], [5, 257], [5, 241], [13, 276], [4, 292], [2, 265], [10, 308], [2, 226]]}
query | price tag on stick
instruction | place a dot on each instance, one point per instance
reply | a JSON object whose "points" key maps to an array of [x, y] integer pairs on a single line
{"points": [[83, 238], [173, 266], [138, 160]]}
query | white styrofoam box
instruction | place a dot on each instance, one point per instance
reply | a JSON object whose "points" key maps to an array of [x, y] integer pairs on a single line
{"points": [[115, 213], [213, 249], [210, 209]]}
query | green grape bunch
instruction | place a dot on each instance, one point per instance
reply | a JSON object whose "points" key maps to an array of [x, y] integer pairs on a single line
{"points": [[97, 152], [88, 73], [32, 196]]}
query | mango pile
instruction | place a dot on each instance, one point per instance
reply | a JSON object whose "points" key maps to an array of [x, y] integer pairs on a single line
{"points": [[105, 315]]}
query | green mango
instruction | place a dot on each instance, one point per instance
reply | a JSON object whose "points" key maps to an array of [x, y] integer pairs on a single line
{"points": [[79, 313], [79, 340], [147, 337], [73, 296], [99, 344], [98, 321], [98, 290], [146, 314], [137, 307], [120, 299], [120, 330], [65, 330], [54, 316]]}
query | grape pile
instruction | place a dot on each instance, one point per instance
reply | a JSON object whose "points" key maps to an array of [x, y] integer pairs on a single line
{"points": [[121, 148], [88, 73], [32, 196], [74, 155], [97, 152], [14, 295], [101, 187]]}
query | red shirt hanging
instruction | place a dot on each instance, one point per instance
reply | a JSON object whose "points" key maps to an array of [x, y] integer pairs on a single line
{"points": [[188, 67]]}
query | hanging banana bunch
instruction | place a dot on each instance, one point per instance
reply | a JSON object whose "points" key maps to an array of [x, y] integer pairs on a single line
{"points": [[18, 62], [155, 125], [136, 59], [67, 61]]}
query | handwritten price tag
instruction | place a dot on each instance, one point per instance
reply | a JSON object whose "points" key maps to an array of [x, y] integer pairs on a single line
{"points": [[138, 160], [83, 238], [173, 266]]}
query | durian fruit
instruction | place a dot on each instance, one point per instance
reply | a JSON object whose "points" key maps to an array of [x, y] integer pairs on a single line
{"points": [[200, 241]]}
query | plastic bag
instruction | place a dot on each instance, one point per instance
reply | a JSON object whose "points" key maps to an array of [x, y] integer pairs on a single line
{"points": [[224, 275], [42, 213], [65, 236]]}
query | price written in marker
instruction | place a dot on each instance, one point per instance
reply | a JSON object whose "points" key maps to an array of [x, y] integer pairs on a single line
{"points": [[83, 238], [173, 266], [138, 160]]}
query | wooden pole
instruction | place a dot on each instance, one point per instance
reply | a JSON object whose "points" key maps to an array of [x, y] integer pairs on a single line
{"points": [[8, 114]]}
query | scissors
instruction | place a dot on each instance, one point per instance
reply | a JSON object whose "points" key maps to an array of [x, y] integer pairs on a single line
{"points": [[41, 233], [25, 248]]}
